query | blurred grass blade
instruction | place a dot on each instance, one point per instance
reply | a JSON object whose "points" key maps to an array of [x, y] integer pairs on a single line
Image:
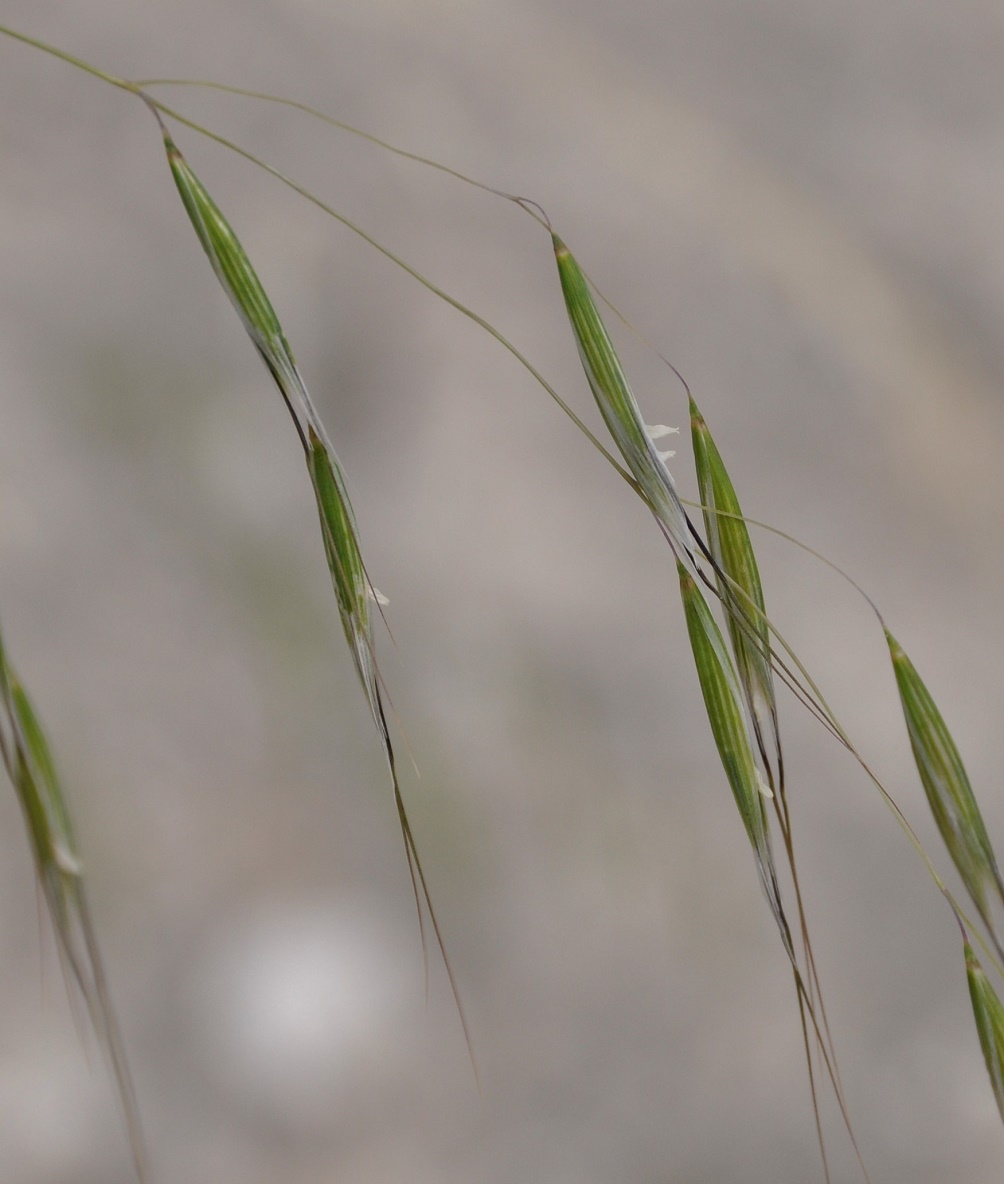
{"points": [[619, 407], [353, 591], [988, 1013], [741, 590], [726, 713], [28, 761], [947, 787]]}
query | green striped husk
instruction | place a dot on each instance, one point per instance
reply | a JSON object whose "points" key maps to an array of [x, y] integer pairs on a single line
{"points": [[988, 1012], [28, 761], [723, 701], [947, 786], [619, 407], [340, 535], [345, 562], [738, 580], [241, 284]]}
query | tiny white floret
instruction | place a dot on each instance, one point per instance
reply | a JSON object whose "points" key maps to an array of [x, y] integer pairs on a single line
{"points": [[66, 861], [762, 785]]}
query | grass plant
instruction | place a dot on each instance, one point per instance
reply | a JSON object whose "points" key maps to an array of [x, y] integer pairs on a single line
{"points": [[739, 656]]}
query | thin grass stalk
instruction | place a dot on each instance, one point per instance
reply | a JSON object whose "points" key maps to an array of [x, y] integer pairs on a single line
{"points": [[526, 204]]}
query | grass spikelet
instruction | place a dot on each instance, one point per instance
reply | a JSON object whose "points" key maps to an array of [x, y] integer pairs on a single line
{"points": [[28, 761], [619, 407], [739, 706], [353, 590], [947, 787], [240, 282], [988, 1012], [338, 526], [723, 702], [345, 562], [738, 580]]}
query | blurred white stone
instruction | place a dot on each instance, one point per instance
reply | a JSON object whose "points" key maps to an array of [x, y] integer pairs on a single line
{"points": [[292, 1002]]}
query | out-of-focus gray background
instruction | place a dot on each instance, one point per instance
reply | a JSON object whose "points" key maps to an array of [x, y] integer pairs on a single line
{"points": [[800, 202]]}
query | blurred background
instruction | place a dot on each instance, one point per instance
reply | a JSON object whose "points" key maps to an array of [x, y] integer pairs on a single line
{"points": [[799, 202]]}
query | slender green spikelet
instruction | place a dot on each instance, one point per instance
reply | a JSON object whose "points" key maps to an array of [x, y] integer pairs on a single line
{"points": [[345, 562], [338, 525], [988, 1013], [738, 581], [355, 596], [723, 702], [947, 786], [619, 407], [353, 591], [28, 761], [240, 282]]}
